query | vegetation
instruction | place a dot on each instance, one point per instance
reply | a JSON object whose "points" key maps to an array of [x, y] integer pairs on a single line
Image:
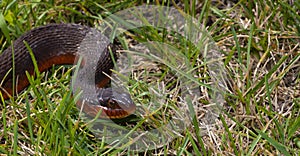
{"points": [[258, 79]]}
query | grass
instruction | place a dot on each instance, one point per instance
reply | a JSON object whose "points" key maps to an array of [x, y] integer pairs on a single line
{"points": [[259, 42]]}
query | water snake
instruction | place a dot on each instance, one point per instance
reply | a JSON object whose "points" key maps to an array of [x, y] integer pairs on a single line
{"points": [[56, 44]]}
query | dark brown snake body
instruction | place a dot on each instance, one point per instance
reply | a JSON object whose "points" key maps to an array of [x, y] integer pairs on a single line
{"points": [[57, 44]]}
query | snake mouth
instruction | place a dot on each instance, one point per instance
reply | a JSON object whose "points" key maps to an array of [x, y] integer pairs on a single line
{"points": [[112, 110], [110, 103]]}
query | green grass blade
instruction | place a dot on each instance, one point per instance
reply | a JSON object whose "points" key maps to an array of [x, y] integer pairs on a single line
{"points": [[276, 144]]}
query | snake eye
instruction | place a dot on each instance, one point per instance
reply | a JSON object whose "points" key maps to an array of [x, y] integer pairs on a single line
{"points": [[111, 103]]}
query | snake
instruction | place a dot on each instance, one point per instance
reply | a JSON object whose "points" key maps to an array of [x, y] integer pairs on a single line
{"points": [[59, 44]]}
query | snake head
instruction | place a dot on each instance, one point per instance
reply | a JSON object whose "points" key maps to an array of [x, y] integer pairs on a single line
{"points": [[115, 99], [110, 103]]}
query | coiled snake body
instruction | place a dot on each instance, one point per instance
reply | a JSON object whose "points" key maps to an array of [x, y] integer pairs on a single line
{"points": [[58, 44]]}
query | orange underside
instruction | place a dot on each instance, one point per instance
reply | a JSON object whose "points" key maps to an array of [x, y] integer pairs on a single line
{"points": [[22, 81]]}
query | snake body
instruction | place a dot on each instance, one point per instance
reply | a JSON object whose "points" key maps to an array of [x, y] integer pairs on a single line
{"points": [[57, 44]]}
